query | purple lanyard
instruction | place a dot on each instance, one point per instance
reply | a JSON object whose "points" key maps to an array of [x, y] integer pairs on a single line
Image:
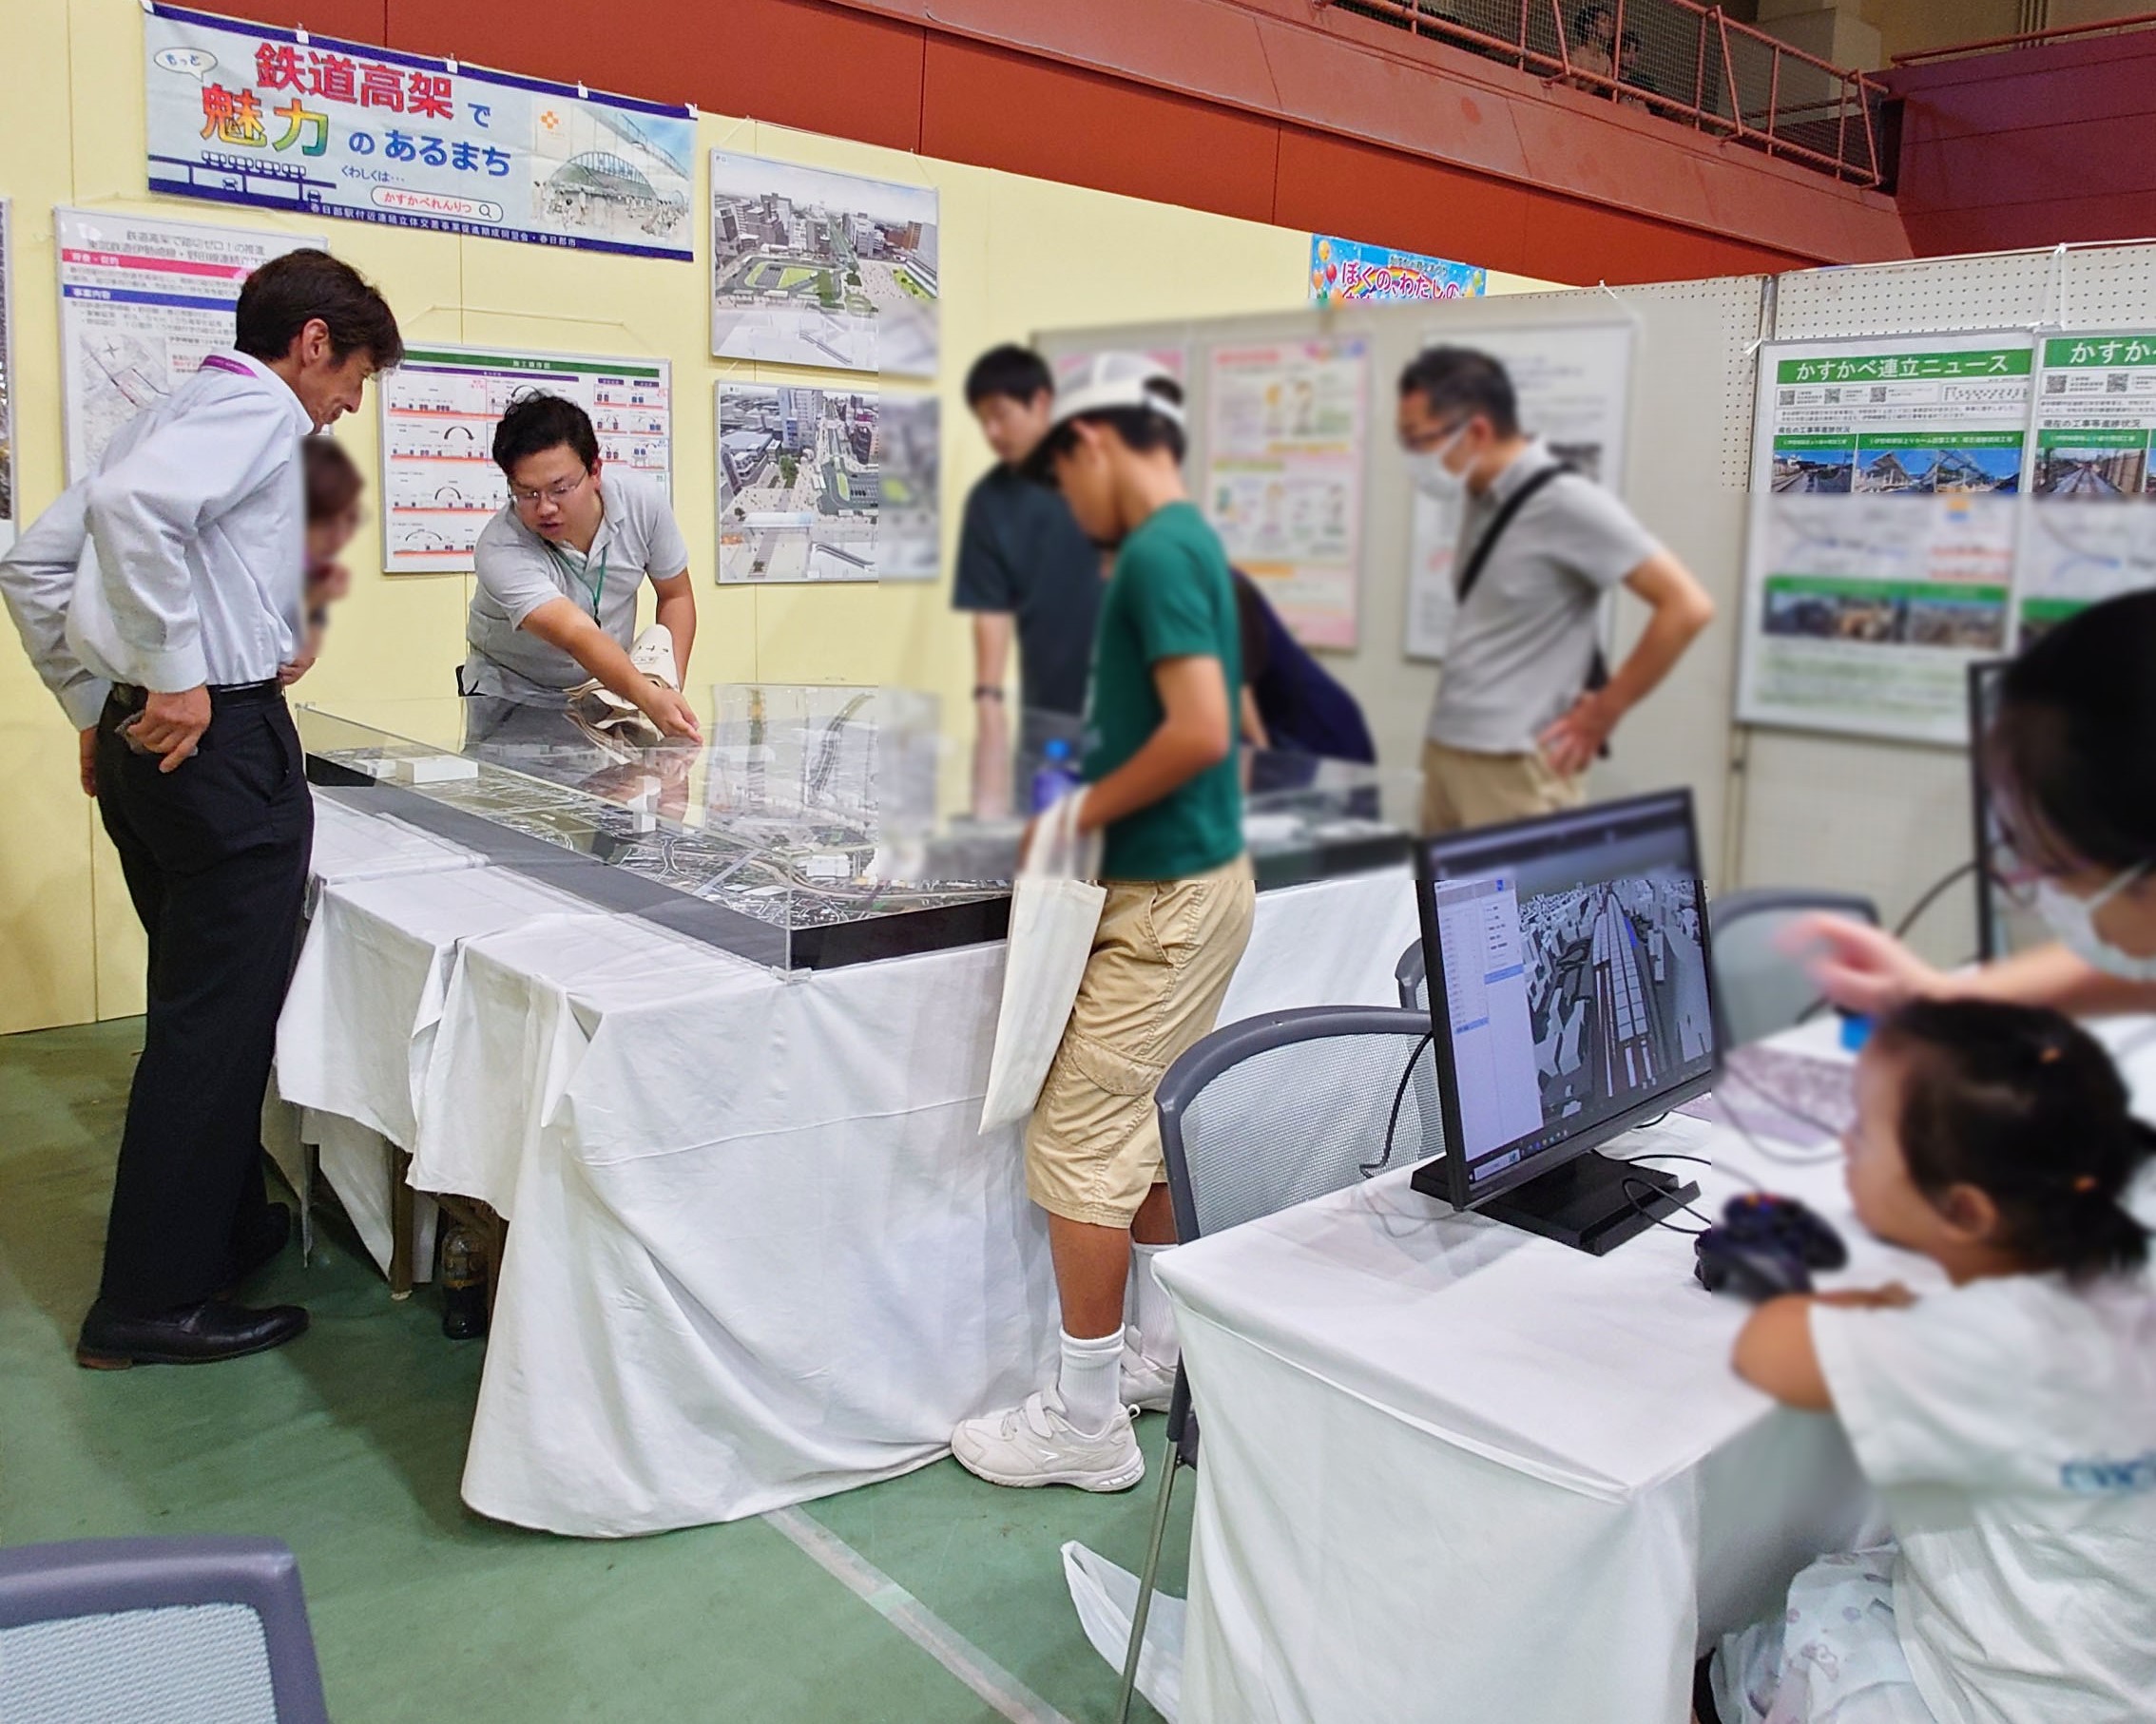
{"points": [[218, 362]]}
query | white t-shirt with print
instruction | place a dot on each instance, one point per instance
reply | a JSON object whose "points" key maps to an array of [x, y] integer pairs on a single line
{"points": [[2009, 1427]]}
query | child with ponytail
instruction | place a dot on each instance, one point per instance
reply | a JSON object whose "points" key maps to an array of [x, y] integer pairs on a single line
{"points": [[2007, 1420]]}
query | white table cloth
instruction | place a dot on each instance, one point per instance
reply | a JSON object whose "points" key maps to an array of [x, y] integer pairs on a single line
{"points": [[758, 1252], [1452, 1471]]}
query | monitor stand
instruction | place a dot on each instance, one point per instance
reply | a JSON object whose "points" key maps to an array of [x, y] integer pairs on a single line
{"points": [[1593, 1202]]}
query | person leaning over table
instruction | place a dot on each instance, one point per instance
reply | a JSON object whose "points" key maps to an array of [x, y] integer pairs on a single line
{"points": [[558, 572], [1519, 716], [158, 600], [2071, 757]]}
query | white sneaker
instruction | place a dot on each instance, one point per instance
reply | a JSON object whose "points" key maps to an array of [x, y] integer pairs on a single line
{"points": [[1033, 1444], [1148, 1385]]}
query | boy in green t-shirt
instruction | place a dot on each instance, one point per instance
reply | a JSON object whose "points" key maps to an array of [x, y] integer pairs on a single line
{"points": [[1162, 786]]}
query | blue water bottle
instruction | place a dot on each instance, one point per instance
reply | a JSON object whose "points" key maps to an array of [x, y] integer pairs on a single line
{"points": [[1058, 777]]}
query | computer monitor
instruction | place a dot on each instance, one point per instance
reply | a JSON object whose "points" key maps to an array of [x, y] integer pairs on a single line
{"points": [[1572, 997]]}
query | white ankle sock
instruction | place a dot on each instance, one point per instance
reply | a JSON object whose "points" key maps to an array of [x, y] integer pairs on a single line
{"points": [[1153, 1316], [1089, 1381]]}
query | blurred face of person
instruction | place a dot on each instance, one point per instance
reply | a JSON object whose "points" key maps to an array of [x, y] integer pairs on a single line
{"points": [[1014, 427], [556, 495], [1961, 1220], [330, 535], [1086, 475]]}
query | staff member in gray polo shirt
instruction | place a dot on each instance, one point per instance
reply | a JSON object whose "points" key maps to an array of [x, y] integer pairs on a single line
{"points": [[558, 573], [1516, 722]]}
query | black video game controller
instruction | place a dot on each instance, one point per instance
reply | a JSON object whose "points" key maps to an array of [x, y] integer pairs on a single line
{"points": [[1765, 1246]]}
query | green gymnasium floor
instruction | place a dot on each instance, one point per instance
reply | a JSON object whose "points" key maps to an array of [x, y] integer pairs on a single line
{"points": [[347, 1445]]}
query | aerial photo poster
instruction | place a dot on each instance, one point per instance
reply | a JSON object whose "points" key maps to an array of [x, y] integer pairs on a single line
{"points": [[439, 482], [1283, 481], [2089, 531], [798, 483], [810, 267], [1886, 483], [1574, 385], [142, 299], [247, 113]]}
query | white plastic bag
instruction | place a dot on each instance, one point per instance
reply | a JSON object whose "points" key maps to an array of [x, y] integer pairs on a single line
{"points": [[1054, 914], [1107, 1598]]}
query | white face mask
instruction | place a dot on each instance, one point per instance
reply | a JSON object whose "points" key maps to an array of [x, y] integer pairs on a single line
{"points": [[1431, 476], [2074, 921]]}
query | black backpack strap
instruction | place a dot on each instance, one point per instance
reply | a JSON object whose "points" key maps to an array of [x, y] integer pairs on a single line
{"points": [[1509, 507]]}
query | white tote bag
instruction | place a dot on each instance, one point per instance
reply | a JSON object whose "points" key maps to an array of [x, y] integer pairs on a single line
{"points": [[1054, 914]]}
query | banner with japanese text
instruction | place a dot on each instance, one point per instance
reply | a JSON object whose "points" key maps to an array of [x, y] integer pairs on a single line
{"points": [[1887, 480], [2088, 533], [243, 113], [1345, 272]]}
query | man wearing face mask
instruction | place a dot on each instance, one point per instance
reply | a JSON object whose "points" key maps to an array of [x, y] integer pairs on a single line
{"points": [[2071, 761], [158, 600], [1520, 712]]}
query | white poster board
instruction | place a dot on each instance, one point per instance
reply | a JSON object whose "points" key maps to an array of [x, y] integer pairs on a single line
{"points": [[810, 267], [440, 485], [1574, 387], [910, 513], [142, 299], [8, 506], [798, 484], [1886, 479], [1284, 480], [2089, 531]]}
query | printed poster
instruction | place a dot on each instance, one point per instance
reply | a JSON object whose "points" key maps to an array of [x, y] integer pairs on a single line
{"points": [[141, 300], [910, 515], [245, 113], [1344, 272], [797, 483], [1886, 475], [1283, 481], [810, 267], [1575, 387], [2088, 533], [8, 507], [440, 485]]}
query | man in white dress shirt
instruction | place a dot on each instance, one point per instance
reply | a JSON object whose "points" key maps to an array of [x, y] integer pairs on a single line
{"points": [[159, 599]]}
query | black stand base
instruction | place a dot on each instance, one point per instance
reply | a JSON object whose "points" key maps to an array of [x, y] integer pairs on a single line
{"points": [[1592, 1203]]}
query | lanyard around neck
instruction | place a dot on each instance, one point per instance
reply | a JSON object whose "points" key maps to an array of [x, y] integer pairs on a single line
{"points": [[568, 568]]}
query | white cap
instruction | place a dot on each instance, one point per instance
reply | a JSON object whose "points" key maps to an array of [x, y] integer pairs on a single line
{"points": [[1112, 380]]}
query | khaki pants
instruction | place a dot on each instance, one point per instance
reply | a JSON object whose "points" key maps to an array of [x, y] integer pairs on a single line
{"points": [[1460, 789], [1162, 963]]}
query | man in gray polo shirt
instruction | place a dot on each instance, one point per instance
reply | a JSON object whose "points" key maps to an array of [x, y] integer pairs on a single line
{"points": [[559, 571], [1516, 724]]}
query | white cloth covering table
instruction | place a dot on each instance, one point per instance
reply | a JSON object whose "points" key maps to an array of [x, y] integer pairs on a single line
{"points": [[1452, 1471], [758, 1252]]}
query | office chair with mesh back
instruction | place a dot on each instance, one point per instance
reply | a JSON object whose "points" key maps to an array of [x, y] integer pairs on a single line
{"points": [[1266, 1114], [193, 1630], [1759, 988], [1413, 977]]}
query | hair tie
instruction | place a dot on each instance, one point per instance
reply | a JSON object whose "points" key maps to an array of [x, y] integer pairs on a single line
{"points": [[2049, 1054], [2085, 1184]]}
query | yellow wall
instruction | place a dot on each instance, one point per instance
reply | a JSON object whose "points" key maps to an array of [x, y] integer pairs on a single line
{"points": [[1016, 255]]}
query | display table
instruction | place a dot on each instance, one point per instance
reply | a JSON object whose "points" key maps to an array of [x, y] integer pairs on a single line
{"points": [[758, 1252], [1452, 1470]]}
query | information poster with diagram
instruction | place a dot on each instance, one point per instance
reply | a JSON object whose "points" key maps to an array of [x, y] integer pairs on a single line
{"points": [[1886, 479], [1575, 387], [798, 483], [142, 299], [1283, 481], [2088, 533], [439, 482]]}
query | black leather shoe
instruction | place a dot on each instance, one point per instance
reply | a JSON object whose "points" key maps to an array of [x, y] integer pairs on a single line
{"points": [[196, 1334], [259, 1246]]}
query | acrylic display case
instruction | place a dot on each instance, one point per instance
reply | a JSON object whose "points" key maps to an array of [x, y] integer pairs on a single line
{"points": [[812, 826]]}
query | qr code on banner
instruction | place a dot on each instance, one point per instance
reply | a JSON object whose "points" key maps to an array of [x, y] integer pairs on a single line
{"points": [[2055, 384], [2117, 383], [1832, 397], [1879, 391], [1788, 397]]}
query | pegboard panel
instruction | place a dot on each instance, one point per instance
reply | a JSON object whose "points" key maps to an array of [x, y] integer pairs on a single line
{"points": [[2110, 286], [2005, 290]]}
